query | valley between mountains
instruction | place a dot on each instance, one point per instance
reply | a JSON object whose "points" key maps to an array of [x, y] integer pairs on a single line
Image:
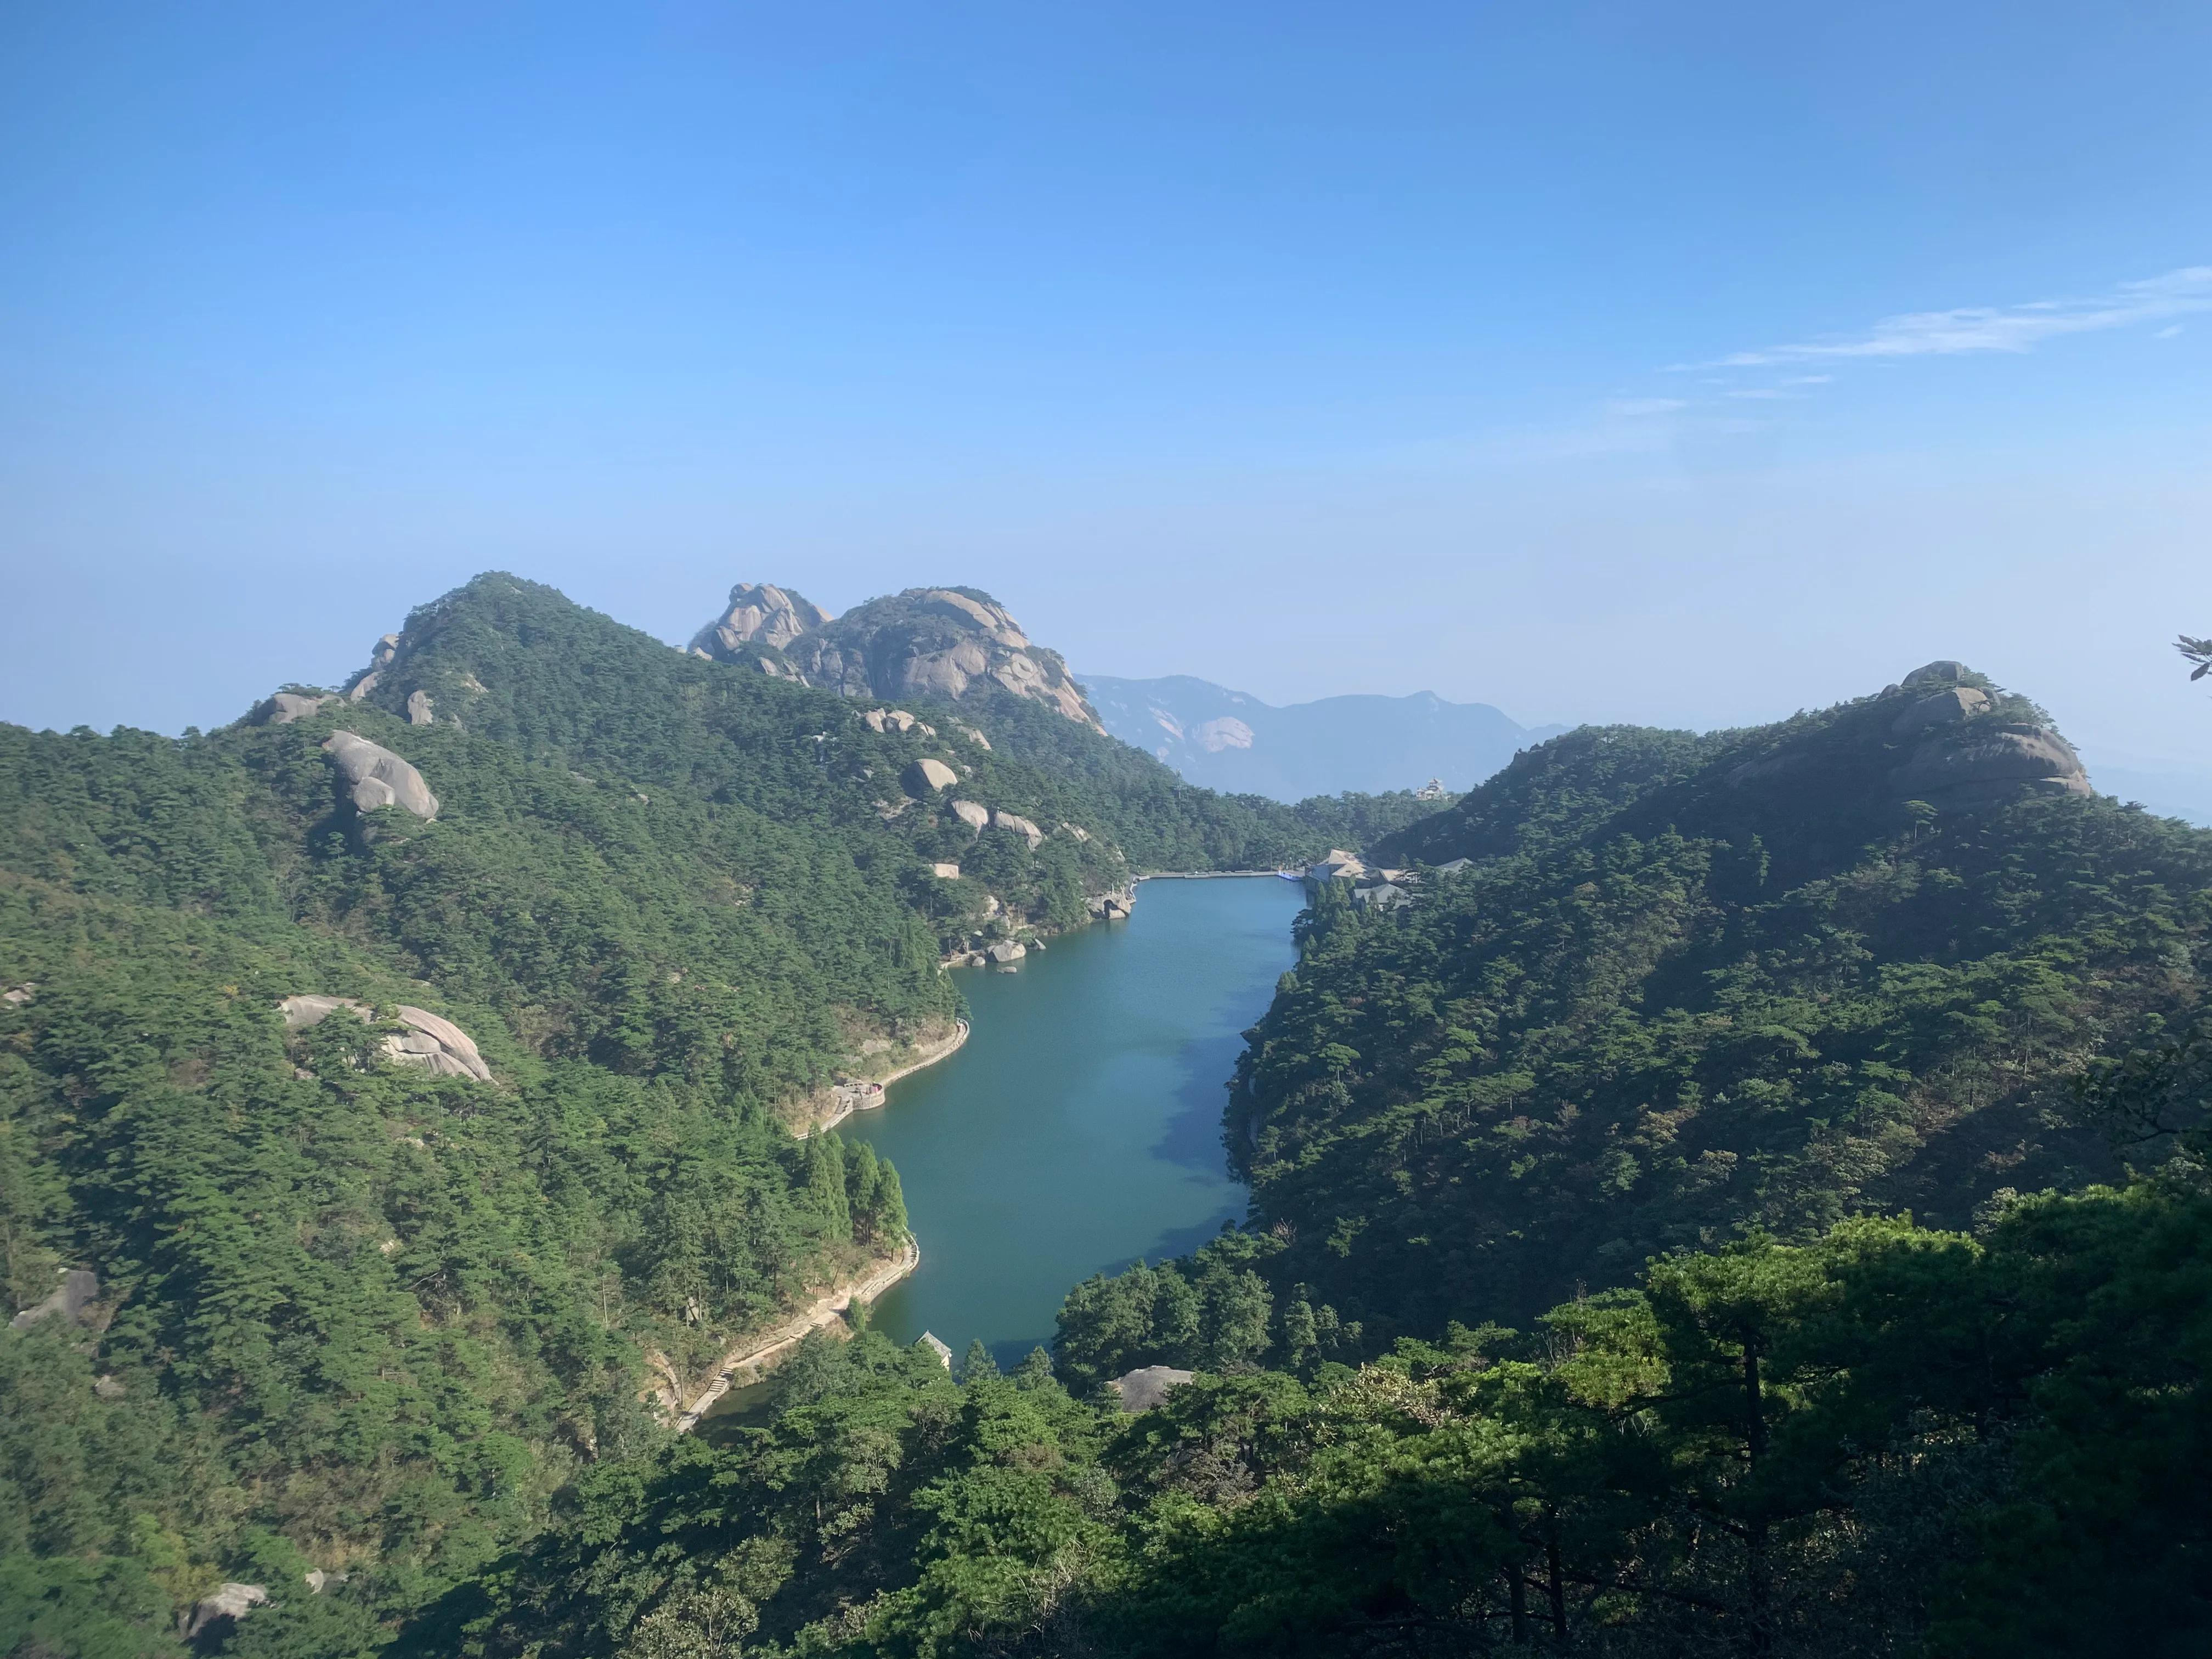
{"points": [[1727, 1193]]}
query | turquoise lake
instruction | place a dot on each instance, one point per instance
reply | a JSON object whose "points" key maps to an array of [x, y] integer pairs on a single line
{"points": [[1079, 1126]]}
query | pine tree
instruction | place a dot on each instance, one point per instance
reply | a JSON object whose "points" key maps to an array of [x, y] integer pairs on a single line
{"points": [[825, 1183], [861, 1180], [889, 1223], [977, 1363]]}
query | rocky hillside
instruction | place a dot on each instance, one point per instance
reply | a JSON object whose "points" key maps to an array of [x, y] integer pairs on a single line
{"points": [[396, 1081], [1851, 961], [938, 644], [1229, 740]]}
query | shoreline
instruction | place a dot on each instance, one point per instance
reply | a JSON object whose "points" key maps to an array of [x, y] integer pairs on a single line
{"points": [[1207, 875], [950, 1045], [759, 1357]]}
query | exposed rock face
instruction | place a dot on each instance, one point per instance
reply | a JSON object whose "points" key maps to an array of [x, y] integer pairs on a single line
{"points": [[971, 814], [1007, 950], [1991, 762], [1945, 707], [1115, 906], [431, 1042], [759, 613], [939, 642], [946, 872], [1021, 826], [285, 707], [926, 775], [379, 661], [216, 1614], [1227, 733], [418, 708], [1147, 1386], [1936, 673], [379, 778], [78, 1290], [972, 735]]}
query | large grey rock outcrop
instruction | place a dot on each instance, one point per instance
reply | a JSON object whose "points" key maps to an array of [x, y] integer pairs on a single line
{"points": [[418, 708], [1007, 950], [78, 1290], [1993, 762], [1115, 906], [1019, 825], [378, 778], [942, 643], [1147, 1386], [760, 613], [1942, 671], [430, 1041], [1945, 707], [214, 1613], [926, 775], [285, 707], [379, 659], [974, 814]]}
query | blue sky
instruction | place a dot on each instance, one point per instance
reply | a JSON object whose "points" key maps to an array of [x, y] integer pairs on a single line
{"points": [[1686, 363]]}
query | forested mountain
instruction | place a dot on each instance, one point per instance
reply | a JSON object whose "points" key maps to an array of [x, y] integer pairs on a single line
{"points": [[1575, 1313], [1696, 1011], [1850, 962], [368, 1296]]}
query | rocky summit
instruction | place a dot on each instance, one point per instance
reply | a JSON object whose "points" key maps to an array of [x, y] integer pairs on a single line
{"points": [[948, 643]]}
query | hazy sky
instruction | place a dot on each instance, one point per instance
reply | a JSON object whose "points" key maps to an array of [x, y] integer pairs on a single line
{"points": [[1680, 363]]}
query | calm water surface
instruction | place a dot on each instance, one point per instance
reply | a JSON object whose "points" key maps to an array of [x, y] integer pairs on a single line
{"points": [[1079, 1127]]}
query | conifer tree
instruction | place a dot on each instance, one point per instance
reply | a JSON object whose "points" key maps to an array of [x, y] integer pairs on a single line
{"points": [[825, 1183], [889, 1222], [861, 1178], [977, 1363]]}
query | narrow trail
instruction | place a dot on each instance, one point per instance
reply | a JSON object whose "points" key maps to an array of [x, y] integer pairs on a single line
{"points": [[848, 1105], [757, 1356]]}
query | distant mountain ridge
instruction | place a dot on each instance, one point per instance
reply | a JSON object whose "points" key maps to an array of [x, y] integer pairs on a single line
{"points": [[1231, 740]]}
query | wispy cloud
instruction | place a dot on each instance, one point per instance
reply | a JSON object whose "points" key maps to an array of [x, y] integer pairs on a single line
{"points": [[1997, 328]]}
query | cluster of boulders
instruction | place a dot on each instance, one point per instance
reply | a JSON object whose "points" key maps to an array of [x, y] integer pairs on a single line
{"points": [[285, 707], [759, 612], [1115, 906], [1966, 750], [377, 778], [380, 658], [435, 1044], [1967, 756], [896, 720], [943, 643]]}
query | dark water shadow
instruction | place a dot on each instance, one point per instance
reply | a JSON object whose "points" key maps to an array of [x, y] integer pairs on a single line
{"points": [[1192, 1139]]}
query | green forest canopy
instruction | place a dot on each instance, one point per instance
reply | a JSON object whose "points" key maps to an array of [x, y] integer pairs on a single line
{"points": [[359, 1318]]}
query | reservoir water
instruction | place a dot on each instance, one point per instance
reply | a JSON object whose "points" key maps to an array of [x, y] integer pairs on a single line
{"points": [[1079, 1126]]}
